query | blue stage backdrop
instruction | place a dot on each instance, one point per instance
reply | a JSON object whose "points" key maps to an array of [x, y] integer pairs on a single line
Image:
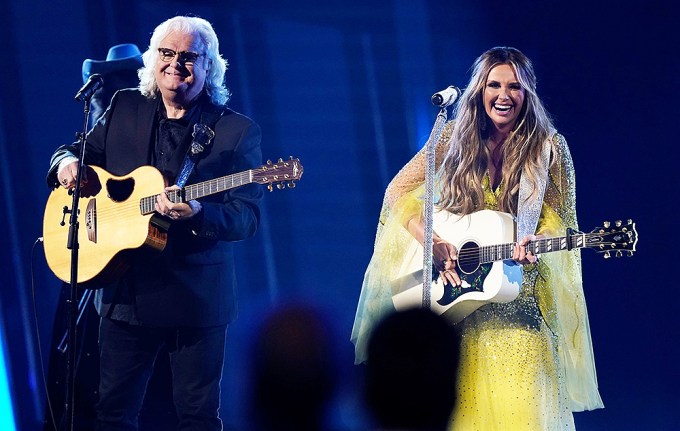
{"points": [[345, 87]]}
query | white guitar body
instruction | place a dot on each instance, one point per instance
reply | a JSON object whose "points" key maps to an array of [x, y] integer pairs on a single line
{"points": [[497, 281]]}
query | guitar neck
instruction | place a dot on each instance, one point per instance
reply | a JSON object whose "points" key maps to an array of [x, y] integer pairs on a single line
{"points": [[199, 190], [493, 253]]}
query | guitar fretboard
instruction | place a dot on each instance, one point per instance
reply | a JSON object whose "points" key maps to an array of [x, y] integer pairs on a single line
{"points": [[196, 191], [493, 253]]}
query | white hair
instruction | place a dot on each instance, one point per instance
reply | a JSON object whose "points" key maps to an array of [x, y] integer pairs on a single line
{"points": [[214, 81]]}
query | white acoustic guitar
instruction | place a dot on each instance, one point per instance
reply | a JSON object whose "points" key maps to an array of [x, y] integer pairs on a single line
{"points": [[485, 241], [117, 220]]}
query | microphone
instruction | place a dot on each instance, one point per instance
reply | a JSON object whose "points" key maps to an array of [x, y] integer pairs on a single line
{"points": [[93, 84], [446, 97]]}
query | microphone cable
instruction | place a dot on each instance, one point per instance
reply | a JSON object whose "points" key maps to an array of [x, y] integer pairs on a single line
{"points": [[37, 335]]}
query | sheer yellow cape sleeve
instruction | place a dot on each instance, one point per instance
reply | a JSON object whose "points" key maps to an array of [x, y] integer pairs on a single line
{"points": [[392, 242], [403, 200], [562, 299]]}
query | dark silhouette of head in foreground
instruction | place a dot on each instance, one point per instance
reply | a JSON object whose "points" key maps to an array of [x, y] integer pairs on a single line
{"points": [[293, 371], [411, 371]]}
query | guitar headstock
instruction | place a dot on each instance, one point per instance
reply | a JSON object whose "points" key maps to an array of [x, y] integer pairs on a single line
{"points": [[614, 237], [282, 173]]}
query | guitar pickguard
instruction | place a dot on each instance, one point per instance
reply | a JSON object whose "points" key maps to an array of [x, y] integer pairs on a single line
{"points": [[473, 282]]}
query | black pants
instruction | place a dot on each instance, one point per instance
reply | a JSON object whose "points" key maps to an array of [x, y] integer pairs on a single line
{"points": [[127, 354]]}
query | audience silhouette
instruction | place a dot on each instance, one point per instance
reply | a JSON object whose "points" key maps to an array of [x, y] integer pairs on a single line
{"points": [[293, 377], [410, 375]]}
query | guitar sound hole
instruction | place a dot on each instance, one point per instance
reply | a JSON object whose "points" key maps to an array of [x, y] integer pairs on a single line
{"points": [[120, 190], [468, 257]]}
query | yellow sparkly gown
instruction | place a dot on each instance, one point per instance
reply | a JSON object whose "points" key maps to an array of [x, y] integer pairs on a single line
{"points": [[527, 364]]}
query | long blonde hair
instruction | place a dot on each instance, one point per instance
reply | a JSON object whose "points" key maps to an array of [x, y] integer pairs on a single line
{"points": [[465, 165]]}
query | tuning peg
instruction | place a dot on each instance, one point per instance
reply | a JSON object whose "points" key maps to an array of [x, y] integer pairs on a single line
{"points": [[630, 253], [270, 188], [280, 186], [607, 255], [618, 253], [618, 223], [630, 221], [280, 160], [606, 224], [269, 162], [291, 184]]}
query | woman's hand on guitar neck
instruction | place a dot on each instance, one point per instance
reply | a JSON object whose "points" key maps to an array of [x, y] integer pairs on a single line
{"points": [[521, 254]]}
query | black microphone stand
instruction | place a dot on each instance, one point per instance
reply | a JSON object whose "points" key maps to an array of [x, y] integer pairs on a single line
{"points": [[72, 302]]}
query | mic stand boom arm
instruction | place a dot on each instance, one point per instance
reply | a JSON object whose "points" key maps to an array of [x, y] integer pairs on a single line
{"points": [[428, 204]]}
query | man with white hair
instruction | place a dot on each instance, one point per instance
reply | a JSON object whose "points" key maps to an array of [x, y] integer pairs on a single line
{"points": [[184, 297]]}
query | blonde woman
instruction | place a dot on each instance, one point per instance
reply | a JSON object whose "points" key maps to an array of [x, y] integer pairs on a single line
{"points": [[525, 364]]}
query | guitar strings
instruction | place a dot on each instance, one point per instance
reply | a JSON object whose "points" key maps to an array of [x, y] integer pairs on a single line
{"points": [[145, 205], [473, 254]]}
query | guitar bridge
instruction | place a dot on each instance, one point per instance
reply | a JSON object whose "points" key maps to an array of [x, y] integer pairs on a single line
{"points": [[91, 220]]}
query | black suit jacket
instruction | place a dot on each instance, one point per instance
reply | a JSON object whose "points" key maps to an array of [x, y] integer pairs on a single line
{"points": [[192, 282]]}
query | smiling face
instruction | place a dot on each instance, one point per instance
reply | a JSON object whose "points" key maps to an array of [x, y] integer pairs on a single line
{"points": [[503, 97], [180, 81]]}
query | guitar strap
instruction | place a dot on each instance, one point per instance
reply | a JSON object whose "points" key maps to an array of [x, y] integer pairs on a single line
{"points": [[528, 211], [201, 139]]}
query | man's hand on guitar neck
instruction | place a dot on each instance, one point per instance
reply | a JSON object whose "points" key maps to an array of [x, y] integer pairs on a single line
{"points": [[175, 211]]}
